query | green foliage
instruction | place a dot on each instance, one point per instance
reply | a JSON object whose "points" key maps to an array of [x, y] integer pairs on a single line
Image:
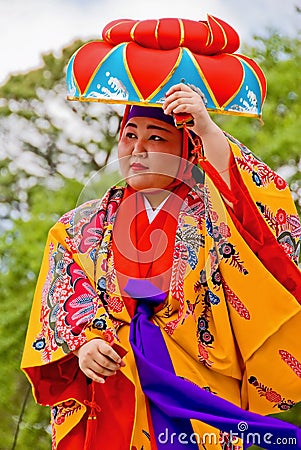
{"points": [[45, 135], [21, 250], [292, 415]]}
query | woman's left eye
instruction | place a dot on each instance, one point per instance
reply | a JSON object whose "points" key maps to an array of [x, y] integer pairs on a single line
{"points": [[156, 138]]}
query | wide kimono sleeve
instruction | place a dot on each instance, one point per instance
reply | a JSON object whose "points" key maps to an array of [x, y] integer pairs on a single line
{"points": [[262, 287], [67, 311], [266, 217]]}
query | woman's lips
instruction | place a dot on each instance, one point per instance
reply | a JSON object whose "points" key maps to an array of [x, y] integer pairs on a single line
{"points": [[137, 167]]}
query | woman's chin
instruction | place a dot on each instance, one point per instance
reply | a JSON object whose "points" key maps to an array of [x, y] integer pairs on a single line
{"points": [[145, 182]]}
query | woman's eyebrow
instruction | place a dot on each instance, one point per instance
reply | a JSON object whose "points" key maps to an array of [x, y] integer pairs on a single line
{"points": [[156, 127], [148, 127], [130, 124]]}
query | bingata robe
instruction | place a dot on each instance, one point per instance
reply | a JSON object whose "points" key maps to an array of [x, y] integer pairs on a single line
{"points": [[228, 319]]}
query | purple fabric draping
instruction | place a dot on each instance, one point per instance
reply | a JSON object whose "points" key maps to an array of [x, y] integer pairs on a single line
{"points": [[174, 400], [154, 349]]}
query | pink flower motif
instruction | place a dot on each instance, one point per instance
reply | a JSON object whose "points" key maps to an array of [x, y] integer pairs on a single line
{"points": [[115, 304], [66, 218], [104, 265], [203, 352], [291, 361], [281, 216], [287, 248], [59, 420], [109, 336], [273, 396], [279, 183], [224, 230], [214, 216]]}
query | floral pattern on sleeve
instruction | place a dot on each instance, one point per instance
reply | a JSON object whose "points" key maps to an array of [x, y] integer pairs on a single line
{"points": [[71, 300], [284, 225], [287, 229]]}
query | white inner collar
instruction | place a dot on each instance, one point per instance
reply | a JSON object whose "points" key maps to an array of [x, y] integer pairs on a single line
{"points": [[151, 213]]}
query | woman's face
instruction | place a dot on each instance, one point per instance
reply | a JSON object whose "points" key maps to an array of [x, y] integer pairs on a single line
{"points": [[149, 153]]}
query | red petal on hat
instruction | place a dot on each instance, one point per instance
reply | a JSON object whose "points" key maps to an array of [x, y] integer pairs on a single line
{"points": [[170, 33], [148, 67], [196, 36], [87, 60], [223, 37], [145, 34], [118, 31], [224, 74]]}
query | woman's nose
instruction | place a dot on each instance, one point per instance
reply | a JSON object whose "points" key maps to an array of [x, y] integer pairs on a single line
{"points": [[139, 147]]}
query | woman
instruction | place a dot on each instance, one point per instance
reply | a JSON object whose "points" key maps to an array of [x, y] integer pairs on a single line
{"points": [[167, 309]]}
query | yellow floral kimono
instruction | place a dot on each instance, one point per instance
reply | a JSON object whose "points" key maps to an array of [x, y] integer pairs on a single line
{"points": [[231, 321]]}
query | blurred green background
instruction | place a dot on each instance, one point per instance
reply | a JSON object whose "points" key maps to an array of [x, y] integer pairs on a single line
{"points": [[56, 154]]}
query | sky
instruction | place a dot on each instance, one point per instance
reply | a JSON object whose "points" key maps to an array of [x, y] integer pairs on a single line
{"points": [[32, 27]]}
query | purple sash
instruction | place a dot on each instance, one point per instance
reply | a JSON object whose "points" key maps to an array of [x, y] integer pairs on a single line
{"points": [[174, 400]]}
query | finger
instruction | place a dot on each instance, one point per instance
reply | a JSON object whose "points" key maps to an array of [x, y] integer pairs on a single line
{"points": [[103, 366], [105, 349], [177, 87], [94, 376], [187, 94], [107, 363], [179, 105], [184, 109], [181, 97], [97, 368], [172, 102], [97, 360], [105, 372]]}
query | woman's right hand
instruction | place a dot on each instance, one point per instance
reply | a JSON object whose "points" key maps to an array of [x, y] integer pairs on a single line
{"points": [[97, 359]]}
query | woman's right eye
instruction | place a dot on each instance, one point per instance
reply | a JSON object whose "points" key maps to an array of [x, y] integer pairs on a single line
{"points": [[130, 135]]}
